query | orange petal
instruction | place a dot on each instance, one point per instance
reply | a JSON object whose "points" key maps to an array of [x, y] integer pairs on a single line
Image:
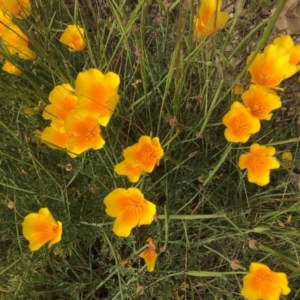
{"points": [[116, 202], [78, 144], [53, 138], [11, 69], [125, 222], [25, 53], [150, 256], [133, 173]]}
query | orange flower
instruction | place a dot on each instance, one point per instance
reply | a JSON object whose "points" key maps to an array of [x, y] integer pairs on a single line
{"points": [[54, 138], [5, 20], [209, 19], [146, 153], [240, 124], [84, 134], [133, 173], [259, 162], [272, 66], [261, 101], [130, 209], [287, 43], [150, 255], [14, 39], [40, 228], [18, 8], [263, 284], [97, 94], [11, 69], [73, 36], [63, 100]]}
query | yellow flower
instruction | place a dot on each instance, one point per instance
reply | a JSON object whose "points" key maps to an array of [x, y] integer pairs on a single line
{"points": [[272, 66], [40, 228], [14, 39], [287, 158], [240, 124], [133, 173], [130, 209], [263, 284], [11, 69], [209, 19], [63, 100], [261, 101], [54, 138], [287, 43], [145, 154], [97, 94], [150, 255], [73, 36], [84, 133], [18, 8], [259, 162]]}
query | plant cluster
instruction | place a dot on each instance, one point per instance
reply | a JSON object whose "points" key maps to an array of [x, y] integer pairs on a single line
{"points": [[142, 157]]}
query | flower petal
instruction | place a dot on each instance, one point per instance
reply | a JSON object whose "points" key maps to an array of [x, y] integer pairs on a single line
{"points": [[125, 222], [150, 256], [53, 138], [133, 173], [116, 202]]}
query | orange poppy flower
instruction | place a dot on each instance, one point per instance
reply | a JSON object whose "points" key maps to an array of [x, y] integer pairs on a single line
{"points": [[14, 39], [263, 284], [11, 69], [18, 8], [146, 153], [287, 43], [240, 124], [209, 19], [259, 161], [40, 228], [84, 134], [73, 37], [63, 100], [272, 66], [54, 138], [97, 94], [150, 255], [130, 209], [261, 101], [133, 173]]}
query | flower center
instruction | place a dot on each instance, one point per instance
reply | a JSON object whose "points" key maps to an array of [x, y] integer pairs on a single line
{"points": [[91, 132], [264, 79], [148, 155], [264, 281], [241, 125], [136, 205], [257, 109], [257, 162], [76, 41]]}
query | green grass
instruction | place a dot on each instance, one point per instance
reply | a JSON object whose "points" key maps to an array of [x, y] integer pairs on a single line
{"points": [[207, 210]]}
